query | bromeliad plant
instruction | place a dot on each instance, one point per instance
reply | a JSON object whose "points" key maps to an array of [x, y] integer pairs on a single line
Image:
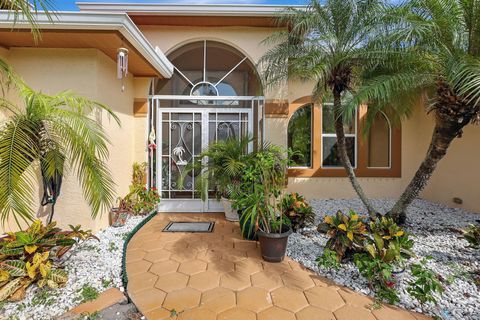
{"points": [[33, 256], [297, 210], [472, 235]]}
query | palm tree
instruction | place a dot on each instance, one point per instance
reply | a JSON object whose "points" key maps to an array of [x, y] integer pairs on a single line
{"points": [[329, 43], [439, 41], [52, 135]]}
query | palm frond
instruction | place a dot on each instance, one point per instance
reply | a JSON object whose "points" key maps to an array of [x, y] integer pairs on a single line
{"points": [[18, 151]]}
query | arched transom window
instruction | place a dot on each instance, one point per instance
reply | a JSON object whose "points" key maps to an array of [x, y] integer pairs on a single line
{"points": [[209, 68]]}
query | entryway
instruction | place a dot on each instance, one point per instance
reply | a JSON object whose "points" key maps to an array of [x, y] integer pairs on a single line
{"points": [[185, 126]]}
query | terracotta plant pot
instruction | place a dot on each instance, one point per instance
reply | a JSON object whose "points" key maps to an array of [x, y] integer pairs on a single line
{"points": [[230, 213], [274, 245]]}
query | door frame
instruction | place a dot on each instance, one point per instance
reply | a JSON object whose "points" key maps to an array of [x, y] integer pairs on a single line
{"points": [[197, 205]]}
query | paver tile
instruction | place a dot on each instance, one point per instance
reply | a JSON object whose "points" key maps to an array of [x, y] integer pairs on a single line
{"points": [[141, 282], [198, 314], [314, 313], [171, 282], [221, 266], [249, 266], [392, 313], [184, 255], [157, 255], [300, 280], [135, 255], [181, 300], [218, 299], [355, 299], [149, 299], [164, 267], [254, 299], [266, 280], [275, 313], [349, 312], [137, 267], [289, 299], [237, 314], [209, 255], [192, 267], [235, 281], [205, 280], [158, 314], [325, 298]]}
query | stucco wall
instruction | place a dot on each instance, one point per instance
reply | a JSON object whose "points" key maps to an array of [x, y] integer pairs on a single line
{"points": [[90, 73]]}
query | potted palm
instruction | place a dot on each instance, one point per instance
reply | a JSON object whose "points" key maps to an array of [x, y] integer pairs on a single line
{"points": [[221, 167], [261, 196]]}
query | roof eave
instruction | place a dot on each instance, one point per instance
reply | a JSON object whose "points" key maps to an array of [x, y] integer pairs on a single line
{"points": [[120, 22], [237, 10]]}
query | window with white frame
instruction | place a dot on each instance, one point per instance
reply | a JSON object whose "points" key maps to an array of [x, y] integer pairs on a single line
{"points": [[330, 156]]}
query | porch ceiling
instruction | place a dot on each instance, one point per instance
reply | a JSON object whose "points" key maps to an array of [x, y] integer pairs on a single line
{"points": [[106, 41]]}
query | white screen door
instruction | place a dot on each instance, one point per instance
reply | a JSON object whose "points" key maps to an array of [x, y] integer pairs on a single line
{"points": [[182, 134]]}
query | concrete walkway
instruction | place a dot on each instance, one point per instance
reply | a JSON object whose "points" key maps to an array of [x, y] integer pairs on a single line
{"points": [[220, 276]]}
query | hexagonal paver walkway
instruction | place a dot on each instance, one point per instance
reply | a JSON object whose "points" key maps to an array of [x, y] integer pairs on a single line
{"points": [[221, 276]]}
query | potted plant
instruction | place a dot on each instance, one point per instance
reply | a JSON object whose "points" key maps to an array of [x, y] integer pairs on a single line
{"points": [[262, 192], [221, 167]]}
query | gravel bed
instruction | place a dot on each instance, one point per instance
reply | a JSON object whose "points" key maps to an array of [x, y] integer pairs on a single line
{"points": [[90, 263], [431, 226]]}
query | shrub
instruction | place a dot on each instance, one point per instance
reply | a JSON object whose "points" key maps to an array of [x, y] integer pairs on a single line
{"points": [[472, 235], [379, 275], [346, 233], [31, 256], [328, 260], [298, 211], [425, 283]]}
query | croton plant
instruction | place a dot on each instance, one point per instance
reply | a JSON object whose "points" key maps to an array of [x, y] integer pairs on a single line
{"points": [[34, 256]]}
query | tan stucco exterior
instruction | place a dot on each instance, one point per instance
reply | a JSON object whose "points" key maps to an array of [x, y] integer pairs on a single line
{"points": [[92, 74]]}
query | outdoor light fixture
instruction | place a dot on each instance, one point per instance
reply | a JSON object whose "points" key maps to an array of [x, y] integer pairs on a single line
{"points": [[122, 64]]}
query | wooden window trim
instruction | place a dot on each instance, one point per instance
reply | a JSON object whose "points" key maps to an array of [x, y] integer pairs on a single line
{"points": [[362, 169]]}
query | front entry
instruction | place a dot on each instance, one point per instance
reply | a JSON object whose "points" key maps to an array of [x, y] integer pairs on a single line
{"points": [[182, 134]]}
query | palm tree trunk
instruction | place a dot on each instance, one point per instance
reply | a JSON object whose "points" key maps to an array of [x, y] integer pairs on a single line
{"points": [[342, 151], [443, 134]]}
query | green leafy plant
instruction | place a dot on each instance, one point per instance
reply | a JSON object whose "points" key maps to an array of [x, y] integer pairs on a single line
{"points": [[31, 256], [88, 293], [425, 283], [261, 190], [297, 210], [387, 241], [139, 200], [328, 260], [472, 235], [379, 275], [346, 233]]}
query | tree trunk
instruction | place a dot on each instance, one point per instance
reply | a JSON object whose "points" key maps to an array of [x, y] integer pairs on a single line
{"points": [[443, 134], [342, 151]]}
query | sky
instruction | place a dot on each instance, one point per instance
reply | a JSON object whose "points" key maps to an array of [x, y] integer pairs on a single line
{"points": [[64, 5]]}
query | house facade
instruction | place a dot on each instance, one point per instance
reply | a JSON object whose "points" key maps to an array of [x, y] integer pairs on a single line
{"points": [[193, 78]]}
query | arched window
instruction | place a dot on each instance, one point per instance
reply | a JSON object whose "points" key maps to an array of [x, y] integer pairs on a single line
{"points": [[209, 68], [300, 137], [379, 142]]}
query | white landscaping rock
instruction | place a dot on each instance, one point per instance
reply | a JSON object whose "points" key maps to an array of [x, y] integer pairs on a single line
{"points": [[96, 263], [430, 225]]}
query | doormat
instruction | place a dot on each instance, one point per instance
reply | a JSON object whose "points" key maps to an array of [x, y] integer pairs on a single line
{"points": [[185, 226]]}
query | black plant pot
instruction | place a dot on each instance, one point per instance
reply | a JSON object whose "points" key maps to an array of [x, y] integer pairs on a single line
{"points": [[274, 245]]}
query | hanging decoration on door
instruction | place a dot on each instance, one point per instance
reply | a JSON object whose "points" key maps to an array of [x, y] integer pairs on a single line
{"points": [[179, 151]]}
